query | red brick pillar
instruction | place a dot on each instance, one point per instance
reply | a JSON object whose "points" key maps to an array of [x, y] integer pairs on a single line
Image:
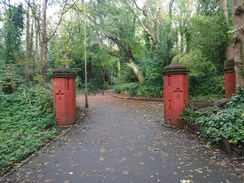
{"points": [[230, 79], [175, 93], [64, 96]]}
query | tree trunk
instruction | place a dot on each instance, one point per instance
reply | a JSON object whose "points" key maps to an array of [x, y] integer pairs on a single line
{"points": [[27, 46], [238, 38], [230, 48], [44, 48], [137, 72], [103, 74], [119, 69], [160, 17], [225, 9]]}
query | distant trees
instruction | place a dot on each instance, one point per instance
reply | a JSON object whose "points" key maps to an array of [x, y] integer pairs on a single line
{"points": [[12, 32], [11, 54], [126, 41]]}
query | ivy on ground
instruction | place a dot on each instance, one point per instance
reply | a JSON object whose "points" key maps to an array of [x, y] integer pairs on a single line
{"points": [[26, 122], [220, 124]]}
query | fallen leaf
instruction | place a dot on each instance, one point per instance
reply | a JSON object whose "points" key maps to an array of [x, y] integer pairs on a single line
{"points": [[48, 180], [185, 181], [102, 150], [124, 172]]}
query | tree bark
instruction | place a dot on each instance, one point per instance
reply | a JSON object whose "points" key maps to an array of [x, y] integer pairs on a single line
{"points": [[238, 41], [44, 48], [27, 46], [103, 74], [137, 71], [127, 59], [225, 9], [230, 48]]}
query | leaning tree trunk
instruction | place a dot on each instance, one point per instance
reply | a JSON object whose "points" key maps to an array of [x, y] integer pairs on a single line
{"points": [[137, 72], [238, 38]]}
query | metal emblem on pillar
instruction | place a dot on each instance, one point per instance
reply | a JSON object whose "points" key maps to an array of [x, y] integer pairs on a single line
{"points": [[175, 93], [64, 96]]}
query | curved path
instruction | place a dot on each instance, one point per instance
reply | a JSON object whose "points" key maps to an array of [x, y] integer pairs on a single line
{"points": [[124, 141]]}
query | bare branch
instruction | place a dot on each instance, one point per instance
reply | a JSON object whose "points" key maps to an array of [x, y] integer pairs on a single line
{"points": [[143, 11], [113, 53], [147, 30], [64, 10]]}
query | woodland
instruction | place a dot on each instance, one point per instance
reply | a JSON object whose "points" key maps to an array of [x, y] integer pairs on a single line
{"points": [[123, 44]]}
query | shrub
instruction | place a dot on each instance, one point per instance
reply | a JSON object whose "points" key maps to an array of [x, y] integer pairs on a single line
{"points": [[206, 87], [222, 123], [196, 63], [127, 88], [135, 89], [150, 91]]}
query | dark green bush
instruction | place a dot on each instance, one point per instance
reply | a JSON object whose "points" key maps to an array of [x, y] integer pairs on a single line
{"points": [[127, 89], [135, 89], [206, 87], [150, 91], [226, 124], [223, 123], [237, 99], [25, 121]]}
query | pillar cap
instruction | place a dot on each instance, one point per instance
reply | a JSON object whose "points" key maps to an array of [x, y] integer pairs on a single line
{"points": [[64, 73], [175, 68], [229, 66]]}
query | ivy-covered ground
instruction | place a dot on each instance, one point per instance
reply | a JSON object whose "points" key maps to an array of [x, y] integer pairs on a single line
{"points": [[26, 123], [227, 123]]}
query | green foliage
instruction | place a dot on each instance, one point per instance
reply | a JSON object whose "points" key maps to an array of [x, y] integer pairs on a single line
{"points": [[227, 124], [206, 87], [150, 91], [196, 62], [12, 32], [25, 121], [9, 78], [153, 70], [237, 99], [221, 124], [135, 89], [127, 89], [209, 34]]}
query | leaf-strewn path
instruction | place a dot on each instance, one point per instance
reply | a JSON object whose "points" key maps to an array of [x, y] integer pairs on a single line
{"points": [[124, 141]]}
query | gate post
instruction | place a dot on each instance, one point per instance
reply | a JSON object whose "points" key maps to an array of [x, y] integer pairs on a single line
{"points": [[64, 96], [175, 93], [230, 79]]}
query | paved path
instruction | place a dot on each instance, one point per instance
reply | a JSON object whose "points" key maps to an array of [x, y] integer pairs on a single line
{"points": [[124, 141]]}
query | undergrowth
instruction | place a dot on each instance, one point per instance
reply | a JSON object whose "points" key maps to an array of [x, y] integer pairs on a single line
{"points": [[135, 89], [221, 124], [26, 123]]}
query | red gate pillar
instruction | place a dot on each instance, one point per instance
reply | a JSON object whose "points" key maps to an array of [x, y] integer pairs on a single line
{"points": [[230, 79], [64, 96], [175, 93]]}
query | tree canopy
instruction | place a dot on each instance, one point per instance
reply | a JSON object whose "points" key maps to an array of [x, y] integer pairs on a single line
{"points": [[127, 40]]}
